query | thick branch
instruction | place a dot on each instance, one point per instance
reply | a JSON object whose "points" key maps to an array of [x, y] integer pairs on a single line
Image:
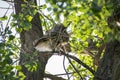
{"points": [[53, 77], [72, 57]]}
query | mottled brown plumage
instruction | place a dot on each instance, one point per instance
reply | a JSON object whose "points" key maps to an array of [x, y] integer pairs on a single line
{"points": [[54, 38]]}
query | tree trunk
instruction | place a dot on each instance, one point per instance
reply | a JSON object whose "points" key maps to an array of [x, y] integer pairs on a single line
{"points": [[27, 38], [109, 67]]}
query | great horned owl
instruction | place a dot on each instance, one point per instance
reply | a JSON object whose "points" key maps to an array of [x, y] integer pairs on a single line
{"points": [[55, 38]]}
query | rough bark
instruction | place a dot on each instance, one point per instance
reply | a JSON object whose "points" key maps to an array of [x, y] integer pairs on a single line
{"points": [[27, 38], [109, 67]]}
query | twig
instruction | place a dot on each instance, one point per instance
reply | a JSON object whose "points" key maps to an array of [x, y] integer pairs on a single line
{"points": [[7, 10], [4, 8], [46, 17], [65, 73], [74, 68], [8, 20], [8, 1], [80, 62], [65, 68]]}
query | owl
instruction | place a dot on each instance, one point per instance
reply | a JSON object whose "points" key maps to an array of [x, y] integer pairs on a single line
{"points": [[55, 39]]}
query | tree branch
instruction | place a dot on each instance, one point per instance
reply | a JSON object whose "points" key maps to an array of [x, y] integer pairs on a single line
{"points": [[65, 68], [53, 77], [72, 57], [74, 68], [80, 62]]}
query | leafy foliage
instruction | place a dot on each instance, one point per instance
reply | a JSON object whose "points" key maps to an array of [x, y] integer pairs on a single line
{"points": [[8, 55], [25, 17], [86, 20]]}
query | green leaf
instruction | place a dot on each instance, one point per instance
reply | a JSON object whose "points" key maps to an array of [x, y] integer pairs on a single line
{"points": [[29, 18], [18, 67], [11, 37], [3, 18], [27, 25], [44, 6], [22, 76], [9, 32], [49, 9], [19, 30], [23, 5]]}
